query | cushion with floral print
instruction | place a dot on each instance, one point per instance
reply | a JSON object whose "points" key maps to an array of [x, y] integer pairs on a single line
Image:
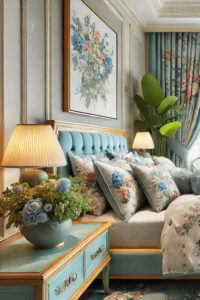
{"points": [[157, 184], [83, 167], [131, 157], [165, 162], [180, 240], [119, 187]]}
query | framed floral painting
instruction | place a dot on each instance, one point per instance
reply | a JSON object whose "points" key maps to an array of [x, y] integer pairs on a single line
{"points": [[90, 62]]}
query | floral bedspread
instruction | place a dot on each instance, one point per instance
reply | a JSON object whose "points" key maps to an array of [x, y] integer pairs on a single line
{"points": [[180, 240]]}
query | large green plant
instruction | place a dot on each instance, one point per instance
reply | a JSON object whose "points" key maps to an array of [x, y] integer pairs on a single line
{"points": [[154, 111]]}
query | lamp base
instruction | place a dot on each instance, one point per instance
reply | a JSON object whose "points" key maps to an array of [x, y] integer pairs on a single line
{"points": [[33, 177]]}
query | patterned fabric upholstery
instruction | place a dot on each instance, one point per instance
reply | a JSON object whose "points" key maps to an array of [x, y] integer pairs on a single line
{"points": [[88, 143]]}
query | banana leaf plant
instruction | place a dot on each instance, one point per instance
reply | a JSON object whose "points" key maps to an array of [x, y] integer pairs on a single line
{"points": [[158, 113]]}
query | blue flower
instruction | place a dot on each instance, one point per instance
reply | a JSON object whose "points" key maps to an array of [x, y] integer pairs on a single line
{"points": [[32, 207], [87, 20], [108, 64], [63, 185], [47, 207], [42, 217], [29, 220], [117, 179], [162, 185], [77, 42], [154, 173]]}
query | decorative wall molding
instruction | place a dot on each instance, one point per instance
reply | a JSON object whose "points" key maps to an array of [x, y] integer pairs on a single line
{"points": [[48, 62], [155, 6], [173, 28], [141, 40], [24, 61], [1, 94], [115, 11], [179, 10], [126, 9]]}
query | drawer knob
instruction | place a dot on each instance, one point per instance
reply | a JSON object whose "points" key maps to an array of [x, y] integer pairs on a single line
{"points": [[67, 282], [98, 252]]}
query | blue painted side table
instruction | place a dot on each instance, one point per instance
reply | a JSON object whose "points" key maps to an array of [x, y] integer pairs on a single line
{"points": [[59, 273]]}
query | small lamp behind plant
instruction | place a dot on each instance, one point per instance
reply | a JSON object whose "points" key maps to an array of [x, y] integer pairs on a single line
{"points": [[33, 146], [143, 141]]}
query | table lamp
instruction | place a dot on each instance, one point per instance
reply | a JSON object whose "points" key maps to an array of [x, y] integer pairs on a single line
{"points": [[33, 146], [143, 141]]}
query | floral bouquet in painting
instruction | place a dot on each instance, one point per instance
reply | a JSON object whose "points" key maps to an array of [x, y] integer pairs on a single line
{"points": [[92, 57]]}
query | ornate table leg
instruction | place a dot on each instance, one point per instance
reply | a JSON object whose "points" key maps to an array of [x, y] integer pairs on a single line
{"points": [[105, 279]]}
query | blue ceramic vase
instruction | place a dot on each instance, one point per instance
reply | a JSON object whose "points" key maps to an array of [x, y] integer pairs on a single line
{"points": [[47, 235]]}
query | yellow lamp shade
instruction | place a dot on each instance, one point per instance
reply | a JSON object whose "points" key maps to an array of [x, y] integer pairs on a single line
{"points": [[33, 146], [143, 140]]}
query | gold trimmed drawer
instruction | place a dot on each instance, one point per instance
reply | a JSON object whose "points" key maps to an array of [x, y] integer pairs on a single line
{"points": [[95, 253], [64, 284]]}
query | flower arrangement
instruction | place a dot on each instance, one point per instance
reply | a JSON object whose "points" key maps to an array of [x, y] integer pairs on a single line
{"points": [[57, 199], [92, 57]]}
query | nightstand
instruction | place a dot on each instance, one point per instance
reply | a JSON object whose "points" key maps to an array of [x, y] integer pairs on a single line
{"points": [[59, 273]]}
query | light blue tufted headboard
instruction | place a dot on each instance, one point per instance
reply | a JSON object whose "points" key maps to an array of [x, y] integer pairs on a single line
{"points": [[87, 139]]}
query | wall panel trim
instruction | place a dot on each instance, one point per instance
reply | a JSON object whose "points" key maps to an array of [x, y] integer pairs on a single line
{"points": [[24, 61], [48, 62], [1, 92]]}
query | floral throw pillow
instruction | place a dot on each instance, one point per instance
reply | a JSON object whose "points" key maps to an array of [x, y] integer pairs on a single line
{"points": [[165, 163], [119, 187], [131, 157], [157, 184], [83, 167]]}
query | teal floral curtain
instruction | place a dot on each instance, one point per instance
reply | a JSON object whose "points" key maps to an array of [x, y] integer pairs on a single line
{"points": [[175, 62]]}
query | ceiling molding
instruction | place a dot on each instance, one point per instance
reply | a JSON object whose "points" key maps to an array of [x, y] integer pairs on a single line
{"points": [[155, 6], [179, 10], [163, 12], [173, 28], [125, 9]]}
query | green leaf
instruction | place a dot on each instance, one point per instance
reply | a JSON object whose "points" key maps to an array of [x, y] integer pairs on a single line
{"points": [[175, 108], [140, 125], [173, 118], [144, 108], [154, 121], [152, 90], [170, 129], [166, 104]]}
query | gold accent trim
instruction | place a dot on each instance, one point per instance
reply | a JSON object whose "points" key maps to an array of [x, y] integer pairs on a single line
{"points": [[78, 127], [90, 279], [61, 261], [66, 101], [24, 61], [48, 247], [48, 62], [135, 250], [10, 239], [74, 251], [39, 280]]}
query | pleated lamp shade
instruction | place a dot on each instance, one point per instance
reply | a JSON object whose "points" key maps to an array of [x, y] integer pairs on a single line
{"points": [[143, 140], [33, 146]]}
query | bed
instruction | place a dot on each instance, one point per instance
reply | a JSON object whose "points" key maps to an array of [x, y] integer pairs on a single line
{"points": [[134, 246]]}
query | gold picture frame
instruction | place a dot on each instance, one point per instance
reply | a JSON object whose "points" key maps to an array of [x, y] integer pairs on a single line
{"points": [[90, 62]]}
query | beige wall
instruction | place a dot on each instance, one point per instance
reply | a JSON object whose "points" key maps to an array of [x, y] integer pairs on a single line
{"points": [[31, 65]]}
